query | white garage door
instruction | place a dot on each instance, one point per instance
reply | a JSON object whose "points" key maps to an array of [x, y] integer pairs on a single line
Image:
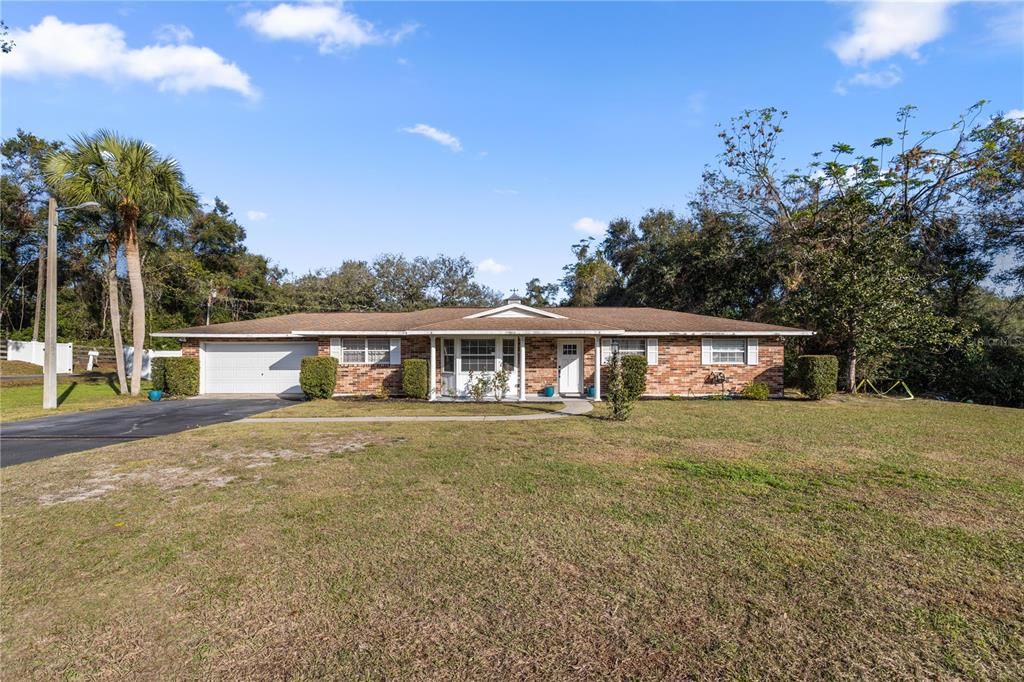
{"points": [[253, 367]]}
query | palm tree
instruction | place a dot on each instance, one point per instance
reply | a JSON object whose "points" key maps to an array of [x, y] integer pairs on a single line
{"points": [[129, 178]]}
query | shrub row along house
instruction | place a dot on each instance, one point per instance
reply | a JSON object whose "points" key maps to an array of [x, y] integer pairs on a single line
{"points": [[560, 348]]}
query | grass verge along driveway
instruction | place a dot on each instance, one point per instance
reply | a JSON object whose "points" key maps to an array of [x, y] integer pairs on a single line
{"points": [[856, 538], [74, 395]]}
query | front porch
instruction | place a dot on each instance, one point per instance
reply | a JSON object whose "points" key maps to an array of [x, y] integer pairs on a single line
{"points": [[536, 367]]}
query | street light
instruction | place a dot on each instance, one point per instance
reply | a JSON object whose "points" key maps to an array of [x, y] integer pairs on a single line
{"points": [[50, 334]]}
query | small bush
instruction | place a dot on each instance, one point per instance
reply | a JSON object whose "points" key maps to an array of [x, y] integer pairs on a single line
{"points": [[318, 375], [478, 387], [181, 376], [818, 374], [634, 375], [416, 378], [158, 373], [500, 384], [757, 390]]}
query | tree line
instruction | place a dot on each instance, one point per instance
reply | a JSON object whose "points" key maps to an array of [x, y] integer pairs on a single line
{"points": [[888, 254]]}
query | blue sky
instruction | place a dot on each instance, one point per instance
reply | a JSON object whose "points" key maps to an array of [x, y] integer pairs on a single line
{"points": [[500, 131]]}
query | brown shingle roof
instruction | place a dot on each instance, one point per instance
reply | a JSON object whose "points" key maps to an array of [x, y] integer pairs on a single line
{"points": [[453, 319]]}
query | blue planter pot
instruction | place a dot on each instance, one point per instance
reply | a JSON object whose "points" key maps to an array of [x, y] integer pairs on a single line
{"points": [[549, 391], [155, 395], [590, 392]]}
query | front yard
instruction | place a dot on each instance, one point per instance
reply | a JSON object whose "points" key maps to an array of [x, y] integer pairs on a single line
{"points": [[849, 538], [407, 408], [25, 401]]}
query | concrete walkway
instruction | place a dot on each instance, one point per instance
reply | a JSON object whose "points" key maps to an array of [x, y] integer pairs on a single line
{"points": [[573, 407]]}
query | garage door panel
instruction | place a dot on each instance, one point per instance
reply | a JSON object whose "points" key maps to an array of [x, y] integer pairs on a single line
{"points": [[254, 367]]}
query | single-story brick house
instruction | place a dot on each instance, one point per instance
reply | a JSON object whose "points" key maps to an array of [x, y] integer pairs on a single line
{"points": [[564, 348]]}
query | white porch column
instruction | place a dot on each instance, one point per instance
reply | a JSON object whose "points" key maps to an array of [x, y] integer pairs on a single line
{"points": [[597, 369], [432, 393], [522, 368]]}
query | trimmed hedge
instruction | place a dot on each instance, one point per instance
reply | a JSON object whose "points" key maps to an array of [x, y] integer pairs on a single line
{"points": [[634, 375], [317, 376], [757, 390], [181, 376], [819, 375], [416, 378], [158, 373]]}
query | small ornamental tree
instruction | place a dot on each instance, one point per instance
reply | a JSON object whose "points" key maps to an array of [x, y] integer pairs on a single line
{"points": [[634, 375], [415, 378], [318, 375], [620, 394], [478, 386], [819, 375]]}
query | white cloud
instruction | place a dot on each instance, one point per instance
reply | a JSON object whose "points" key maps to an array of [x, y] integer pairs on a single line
{"points": [[54, 48], [256, 216], [1016, 114], [883, 29], [883, 78], [173, 33], [439, 136], [491, 266], [590, 226], [324, 23]]}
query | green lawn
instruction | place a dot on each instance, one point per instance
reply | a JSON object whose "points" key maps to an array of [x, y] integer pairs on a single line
{"points": [[25, 401], [786, 539], [411, 408]]}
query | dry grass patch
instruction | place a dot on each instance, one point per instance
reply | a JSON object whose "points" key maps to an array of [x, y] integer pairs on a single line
{"points": [[700, 540]]}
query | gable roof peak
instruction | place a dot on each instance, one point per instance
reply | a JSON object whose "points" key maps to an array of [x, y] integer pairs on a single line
{"points": [[515, 309]]}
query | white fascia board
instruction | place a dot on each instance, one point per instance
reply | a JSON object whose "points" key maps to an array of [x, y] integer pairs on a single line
{"points": [[379, 332], [527, 332], [172, 335], [758, 333], [514, 306]]}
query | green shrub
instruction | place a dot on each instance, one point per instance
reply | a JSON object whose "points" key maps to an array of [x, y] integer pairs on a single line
{"points": [[756, 390], [158, 373], [416, 378], [181, 376], [500, 384], [621, 396], [478, 386], [818, 374], [318, 375], [634, 375]]}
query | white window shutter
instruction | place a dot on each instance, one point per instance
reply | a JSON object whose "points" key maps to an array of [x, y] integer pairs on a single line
{"points": [[606, 350], [652, 351], [751, 351], [336, 348], [396, 351], [705, 350]]}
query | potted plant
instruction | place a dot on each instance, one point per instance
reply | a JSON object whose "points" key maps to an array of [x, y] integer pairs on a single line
{"points": [[549, 391]]}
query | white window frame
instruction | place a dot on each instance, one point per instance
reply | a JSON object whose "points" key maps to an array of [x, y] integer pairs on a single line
{"points": [[494, 355], [740, 341], [349, 345]]}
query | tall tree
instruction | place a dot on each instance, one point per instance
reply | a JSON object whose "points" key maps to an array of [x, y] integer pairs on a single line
{"points": [[589, 280], [538, 294], [128, 177]]}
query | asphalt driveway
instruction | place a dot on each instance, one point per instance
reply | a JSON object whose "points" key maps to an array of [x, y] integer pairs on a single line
{"points": [[33, 439]]}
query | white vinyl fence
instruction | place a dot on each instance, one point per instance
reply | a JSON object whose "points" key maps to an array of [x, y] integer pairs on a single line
{"points": [[32, 351], [147, 356]]}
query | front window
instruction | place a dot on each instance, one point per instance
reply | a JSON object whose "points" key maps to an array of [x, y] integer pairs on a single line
{"points": [[448, 355], [365, 351], [629, 346], [728, 351], [477, 355], [508, 354]]}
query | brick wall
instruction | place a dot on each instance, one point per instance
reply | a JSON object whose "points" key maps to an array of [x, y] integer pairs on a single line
{"points": [[368, 379], [679, 370]]}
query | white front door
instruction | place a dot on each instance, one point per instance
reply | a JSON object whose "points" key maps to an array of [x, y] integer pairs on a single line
{"points": [[570, 361]]}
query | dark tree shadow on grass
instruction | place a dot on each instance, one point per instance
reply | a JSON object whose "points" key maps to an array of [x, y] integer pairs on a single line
{"points": [[67, 392]]}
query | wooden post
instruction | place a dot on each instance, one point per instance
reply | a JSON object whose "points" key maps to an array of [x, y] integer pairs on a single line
{"points": [[597, 369], [522, 368], [432, 393]]}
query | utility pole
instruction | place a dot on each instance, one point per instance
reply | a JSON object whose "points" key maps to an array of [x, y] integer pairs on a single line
{"points": [[50, 332]]}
